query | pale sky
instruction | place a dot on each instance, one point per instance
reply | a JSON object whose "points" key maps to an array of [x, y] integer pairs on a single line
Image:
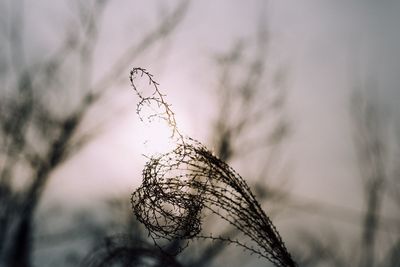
{"points": [[325, 44]]}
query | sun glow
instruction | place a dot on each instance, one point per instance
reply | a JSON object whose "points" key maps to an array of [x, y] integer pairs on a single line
{"points": [[157, 137]]}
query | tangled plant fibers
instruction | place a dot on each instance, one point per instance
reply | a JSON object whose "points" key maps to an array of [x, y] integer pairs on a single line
{"points": [[179, 186]]}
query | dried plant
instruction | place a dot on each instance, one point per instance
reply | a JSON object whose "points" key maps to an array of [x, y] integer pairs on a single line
{"points": [[180, 187]]}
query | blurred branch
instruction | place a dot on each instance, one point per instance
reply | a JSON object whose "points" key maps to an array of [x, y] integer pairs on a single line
{"points": [[371, 157], [303, 204], [33, 134], [128, 252], [392, 257], [165, 27], [247, 104], [321, 252]]}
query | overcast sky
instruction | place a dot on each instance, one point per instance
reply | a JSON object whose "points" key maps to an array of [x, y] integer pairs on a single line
{"points": [[327, 46]]}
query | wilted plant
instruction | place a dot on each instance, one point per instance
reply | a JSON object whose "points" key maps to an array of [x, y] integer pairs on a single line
{"points": [[181, 186]]}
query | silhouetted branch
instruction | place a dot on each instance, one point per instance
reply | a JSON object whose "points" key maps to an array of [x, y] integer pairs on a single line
{"points": [[179, 185], [159, 108]]}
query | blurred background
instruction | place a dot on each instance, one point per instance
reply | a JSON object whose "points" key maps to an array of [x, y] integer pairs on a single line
{"points": [[301, 98]]}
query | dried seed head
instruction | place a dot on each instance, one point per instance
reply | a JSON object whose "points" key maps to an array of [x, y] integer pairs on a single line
{"points": [[180, 185]]}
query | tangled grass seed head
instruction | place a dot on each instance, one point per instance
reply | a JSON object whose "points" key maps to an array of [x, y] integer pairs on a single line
{"points": [[154, 101], [181, 186]]}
